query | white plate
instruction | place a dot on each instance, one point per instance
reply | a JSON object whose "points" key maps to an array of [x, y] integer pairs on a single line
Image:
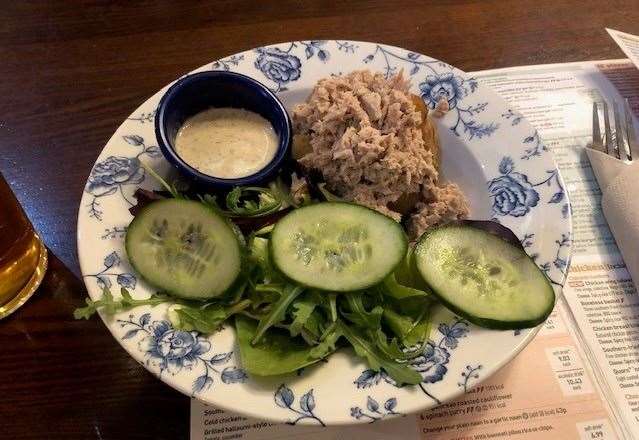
{"points": [[488, 148]]}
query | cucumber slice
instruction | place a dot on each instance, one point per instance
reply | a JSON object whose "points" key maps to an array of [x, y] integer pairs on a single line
{"points": [[483, 278], [184, 248], [337, 246]]}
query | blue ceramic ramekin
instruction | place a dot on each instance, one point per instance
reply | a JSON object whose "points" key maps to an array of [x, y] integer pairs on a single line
{"points": [[200, 91]]}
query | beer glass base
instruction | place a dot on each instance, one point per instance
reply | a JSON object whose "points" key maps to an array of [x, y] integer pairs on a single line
{"points": [[29, 289]]}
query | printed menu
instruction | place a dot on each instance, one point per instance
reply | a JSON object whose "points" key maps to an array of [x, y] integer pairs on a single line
{"points": [[628, 43], [601, 298], [579, 377]]}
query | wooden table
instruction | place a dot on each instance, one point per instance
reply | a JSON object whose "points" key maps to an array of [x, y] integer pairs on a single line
{"points": [[70, 72]]}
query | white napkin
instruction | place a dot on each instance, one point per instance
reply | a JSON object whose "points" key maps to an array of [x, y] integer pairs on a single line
{"points": [[619, 183]]}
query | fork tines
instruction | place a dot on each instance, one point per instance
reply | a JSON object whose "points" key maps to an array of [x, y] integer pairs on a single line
{"points": [[631, 135], [622, 142]]}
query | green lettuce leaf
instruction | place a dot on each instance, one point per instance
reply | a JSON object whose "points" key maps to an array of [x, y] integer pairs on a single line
{"points": [[395, 290], [276, 352], [420, 331], [110, 305], [301, 311], [253, 201], [278, 310], [390, 348], [328, 342], [376, 360], [400, 325], [359, 315], [206, 318], [410, 329]]}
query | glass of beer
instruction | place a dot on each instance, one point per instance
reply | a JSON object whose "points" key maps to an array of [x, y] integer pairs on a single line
{"points": [[23, 256]]}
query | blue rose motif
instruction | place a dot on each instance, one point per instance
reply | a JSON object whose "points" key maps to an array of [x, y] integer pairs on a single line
{"points": [[171, 349], [446, 86], [452, 333], [512, 194], [277, 65], [107, 175], [432, 363]]}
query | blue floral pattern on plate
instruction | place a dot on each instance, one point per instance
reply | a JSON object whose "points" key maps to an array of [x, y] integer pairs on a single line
{"points": [[285, 398], [171, 350], [537, 146], [227, 63], [115, 172], [282, 66], [109, 270], [438, 85], [511, 192], [468, 374], [143, 118], [513, 116], [431, 364], [278, 65], [373, 411], [519, 184]]}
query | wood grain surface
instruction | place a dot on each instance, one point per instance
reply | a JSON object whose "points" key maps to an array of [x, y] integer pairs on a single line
{"points": [[71, 71]]}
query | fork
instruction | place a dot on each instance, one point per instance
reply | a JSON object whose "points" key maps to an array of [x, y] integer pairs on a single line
{"points": [[624, 140]]}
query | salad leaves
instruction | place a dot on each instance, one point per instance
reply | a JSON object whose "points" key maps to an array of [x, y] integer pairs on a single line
{"points": [[277, 353], [277, 312], [110, 305], [282, 326], [205, 318], [402, 374], [301, 312]]}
